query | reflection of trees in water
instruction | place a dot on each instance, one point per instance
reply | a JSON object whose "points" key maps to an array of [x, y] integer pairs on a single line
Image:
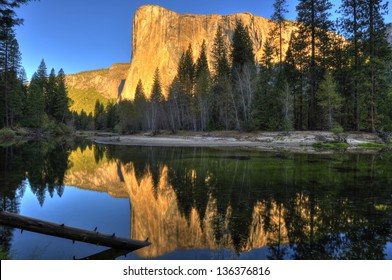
{"points": [[309, 207], [46, 165], [313, 207], [42, 164]]}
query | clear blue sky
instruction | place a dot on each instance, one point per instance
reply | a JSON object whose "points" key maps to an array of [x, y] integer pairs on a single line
{"points": [[79, 35]]}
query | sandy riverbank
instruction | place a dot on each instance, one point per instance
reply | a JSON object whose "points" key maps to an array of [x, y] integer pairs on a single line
{"points": [[297, 141]]}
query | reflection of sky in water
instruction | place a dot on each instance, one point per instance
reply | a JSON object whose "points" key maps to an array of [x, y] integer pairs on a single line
{"points": [[76, 208]]}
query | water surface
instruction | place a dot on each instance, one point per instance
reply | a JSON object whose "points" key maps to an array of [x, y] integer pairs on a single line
{"points": [[199, 203]]}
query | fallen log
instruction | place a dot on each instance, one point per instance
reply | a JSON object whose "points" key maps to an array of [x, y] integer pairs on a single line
{"points": [[74, 234]]}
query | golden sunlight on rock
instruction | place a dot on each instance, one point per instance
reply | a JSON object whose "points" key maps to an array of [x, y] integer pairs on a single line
{"points": [[160, 36]]}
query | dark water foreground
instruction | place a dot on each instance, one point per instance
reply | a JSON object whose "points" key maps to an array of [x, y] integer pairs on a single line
{"points": [[199, 203]]}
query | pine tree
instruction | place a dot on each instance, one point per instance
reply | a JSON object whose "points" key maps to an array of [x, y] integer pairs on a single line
{"points": [[329, 100], [50, 93], [9, 67], [243, 77], [111, 113], [126, 114], [156, 100], [352, 23], [100, 116], [61, 102], [314, 24], [219, 55], [219, 98], [266, 108], [175, 117], [296, 67], [34, 111], [280, 10], [378, 54], [18, 98], [184, 96], [141, 109], [202, 88]]}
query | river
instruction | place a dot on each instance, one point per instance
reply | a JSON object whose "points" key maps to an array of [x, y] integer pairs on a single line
{"points": [[198, 203]]}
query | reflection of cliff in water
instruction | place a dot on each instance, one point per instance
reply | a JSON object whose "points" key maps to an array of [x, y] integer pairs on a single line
{"points": [[193, 199], [156, 213], [160, 213]]}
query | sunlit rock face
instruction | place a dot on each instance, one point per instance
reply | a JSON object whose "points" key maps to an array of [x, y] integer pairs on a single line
{"points": [[160, 36]]}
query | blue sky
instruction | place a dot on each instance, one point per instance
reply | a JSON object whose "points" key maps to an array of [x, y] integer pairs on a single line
{"points": [[79, 35]]}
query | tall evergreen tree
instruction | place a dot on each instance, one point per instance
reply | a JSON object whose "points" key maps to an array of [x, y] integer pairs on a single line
{"points": [[185, 80], [243, 77], [314, 25], [202, 88], [156, 101], [280, 10], [61, 102], [50, 93], [219, 100], [329, 100], [34, 111], [296, 67], [141, 108], [353, 24], [219, 55], [377, 53], [9, 67], [242, 47], [111, 113], [264, 107], [100, 116]]}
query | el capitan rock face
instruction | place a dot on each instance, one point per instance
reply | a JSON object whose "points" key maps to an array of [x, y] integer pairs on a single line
{"points": [[160, 36]]}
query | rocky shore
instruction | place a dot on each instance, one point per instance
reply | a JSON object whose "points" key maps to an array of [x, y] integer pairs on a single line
{"points": [[294, 141]]}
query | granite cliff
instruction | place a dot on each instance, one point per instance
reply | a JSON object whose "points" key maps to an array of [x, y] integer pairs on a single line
{"points": [[160, 36]]}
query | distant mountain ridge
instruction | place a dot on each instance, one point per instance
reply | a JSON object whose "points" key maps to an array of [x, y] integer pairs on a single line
{"points": [[85, 88]]}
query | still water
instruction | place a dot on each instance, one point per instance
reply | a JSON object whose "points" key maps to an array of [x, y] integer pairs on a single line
{"points": [[198, 203]]}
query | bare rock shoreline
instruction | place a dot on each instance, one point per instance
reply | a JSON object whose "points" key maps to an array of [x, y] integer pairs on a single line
{"points": [[293, 141]]}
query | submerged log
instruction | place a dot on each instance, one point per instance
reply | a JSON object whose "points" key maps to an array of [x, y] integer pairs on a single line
{"points": [[74, 234]]}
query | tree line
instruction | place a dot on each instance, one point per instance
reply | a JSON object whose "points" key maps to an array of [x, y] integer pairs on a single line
{"points": [[334, 76], [44, 100]]}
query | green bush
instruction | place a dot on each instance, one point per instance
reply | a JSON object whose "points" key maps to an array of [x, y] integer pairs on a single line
{"points": [[337, 129], [7, 134]]}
